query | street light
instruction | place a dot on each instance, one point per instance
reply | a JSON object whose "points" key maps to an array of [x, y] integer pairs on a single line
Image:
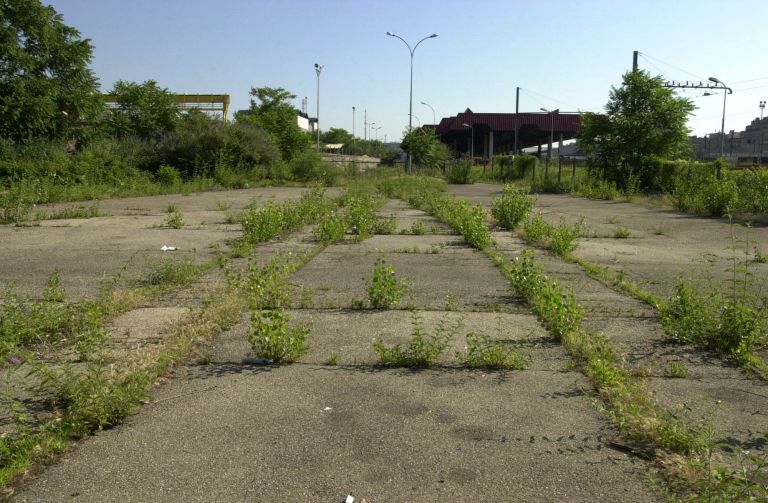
{"points": [[415, 117], [377, 131], [318, 69], [760, 158], [433, 112], [410, 99], [353, 123], [471, 142], [369, 129], [551, 132], [726, 91]]}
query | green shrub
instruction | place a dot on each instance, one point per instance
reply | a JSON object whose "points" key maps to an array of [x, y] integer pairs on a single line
{"points": [[459, 172], [384, 289], [308, 165], [512, 207], [273, 338]]}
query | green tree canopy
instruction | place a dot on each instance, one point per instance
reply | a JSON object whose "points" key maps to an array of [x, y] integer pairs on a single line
{"points": [[144, 110], [45, 84], [426, 149], [642, 120], [336, 135], [272, 111]]}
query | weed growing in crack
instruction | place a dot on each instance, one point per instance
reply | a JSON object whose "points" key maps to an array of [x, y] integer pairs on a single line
{"points": [[560, 239], [424, 349], [557, 309], [267, 286], [273, 337], [174, 220], [384, 289], [174, 272], [385, 225], [418, 228], [734, 322], [450, 301], [331, 228], [483, 352], [622, 233], [677, 370], [512, 208]]}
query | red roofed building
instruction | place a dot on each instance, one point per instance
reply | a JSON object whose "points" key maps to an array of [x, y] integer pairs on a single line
{"points": [[494, 133]]}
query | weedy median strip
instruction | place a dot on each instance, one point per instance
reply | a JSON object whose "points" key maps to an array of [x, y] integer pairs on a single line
{"points": [[627, 402]]}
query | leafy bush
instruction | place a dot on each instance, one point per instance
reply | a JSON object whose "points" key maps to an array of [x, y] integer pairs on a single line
{"points": [[307, 165], [168, 175], [423, 350], [512, 207], [459, 172], [273, 338], [384, 289]]}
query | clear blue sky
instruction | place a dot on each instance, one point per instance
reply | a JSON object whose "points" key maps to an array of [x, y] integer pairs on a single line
{"points": [[563, 54]]}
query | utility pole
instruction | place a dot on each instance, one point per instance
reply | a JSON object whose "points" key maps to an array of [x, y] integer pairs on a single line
{"points": [[634, 60], [517, 110], [712, 84], [762, 134], [318, 69]]}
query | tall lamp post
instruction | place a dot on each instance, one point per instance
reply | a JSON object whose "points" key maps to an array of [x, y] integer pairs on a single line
{"points": [[370, 126], [410, 99], [726, 91], [318, 69], [353, 123], [471, 142], [433, 112], [551, 132], [377, 131], [760, 158], [415, 117]]}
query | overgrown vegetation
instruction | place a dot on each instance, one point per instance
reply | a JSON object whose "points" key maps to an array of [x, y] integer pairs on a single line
{"points": [[384, 289], [424, 348], [512, 208], [484, 352], [274, 339]]}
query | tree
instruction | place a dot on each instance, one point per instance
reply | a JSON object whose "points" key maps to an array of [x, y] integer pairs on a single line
{"points": [[272, 112], [425, 148], [45, 84], [336, 135], [145, 110], [642, 120]]}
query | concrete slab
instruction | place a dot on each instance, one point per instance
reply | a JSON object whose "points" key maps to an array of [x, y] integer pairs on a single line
{"points": [[316, 433], [339, 274], [349, 335]]}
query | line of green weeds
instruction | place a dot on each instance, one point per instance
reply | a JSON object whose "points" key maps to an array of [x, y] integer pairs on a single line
{"points": [[629, 404]]}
